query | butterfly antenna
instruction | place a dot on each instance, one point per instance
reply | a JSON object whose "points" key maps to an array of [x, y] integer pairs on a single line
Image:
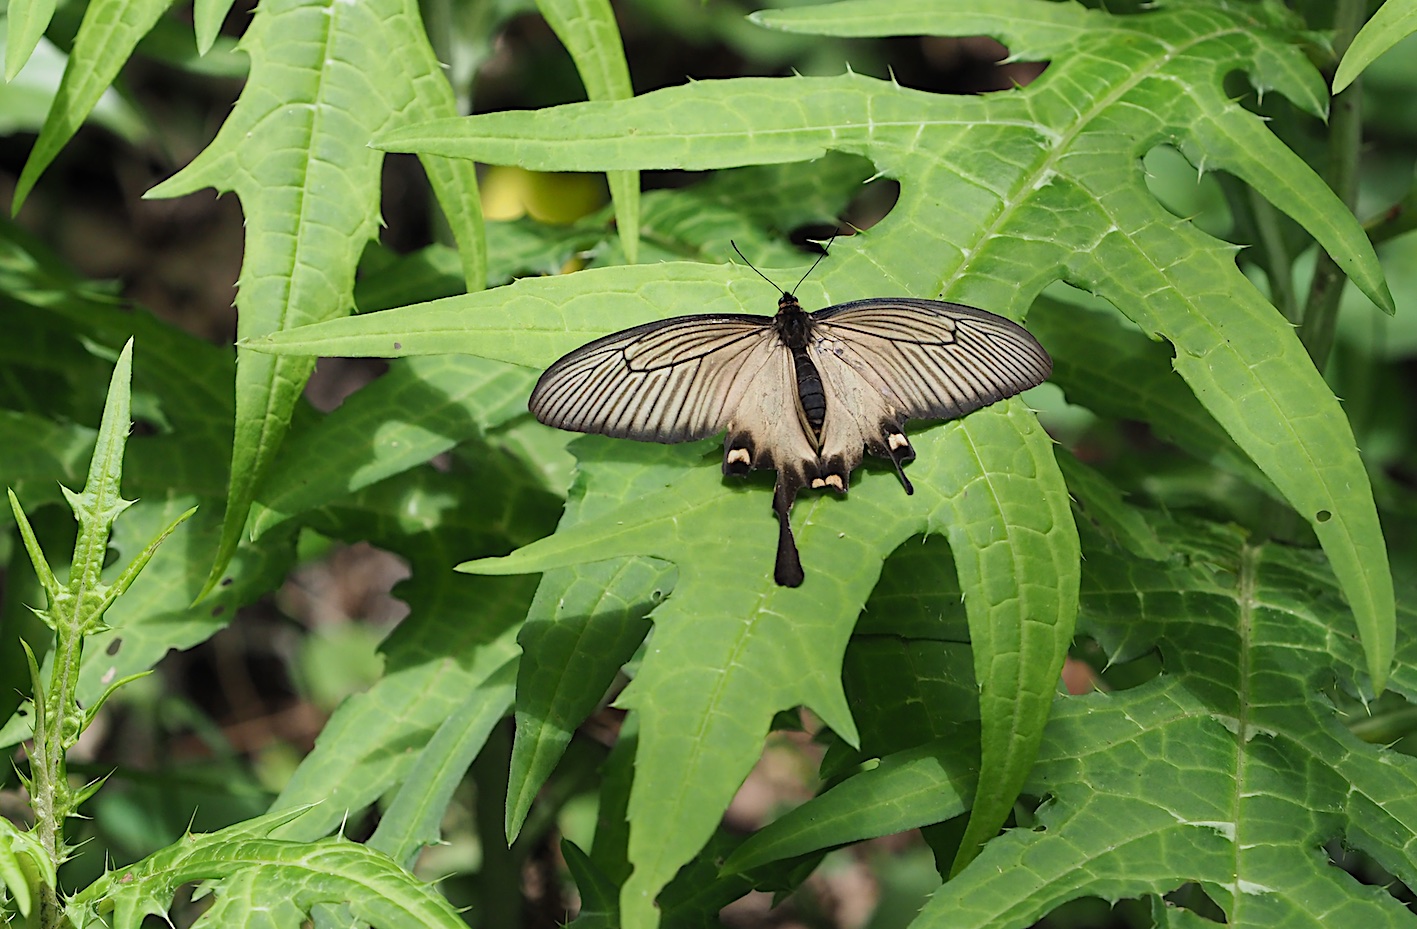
{"points": [[755, 270], [826, 249]]}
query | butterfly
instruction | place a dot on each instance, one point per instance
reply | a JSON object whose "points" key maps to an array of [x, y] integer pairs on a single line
{"points": [[804, 393]]}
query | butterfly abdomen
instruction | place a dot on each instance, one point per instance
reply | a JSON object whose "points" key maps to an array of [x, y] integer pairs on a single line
{"points": [[811, 396]]}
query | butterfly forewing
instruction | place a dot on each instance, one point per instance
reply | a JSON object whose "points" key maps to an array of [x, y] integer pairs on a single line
{"points": [[674, 380], [929, 359]]}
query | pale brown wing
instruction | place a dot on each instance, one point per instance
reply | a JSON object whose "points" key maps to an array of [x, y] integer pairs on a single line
{"points": [[930, 359], [674, 380], [686, 378], [884, 361]]}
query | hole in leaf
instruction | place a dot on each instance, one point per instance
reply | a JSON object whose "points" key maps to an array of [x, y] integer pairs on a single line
{"points": [[812, 238], [1186, 191], [186, 907], [951, 65], [1365, 869], [1323, 516], [1193, 898], [1113, 673], [1026, 813], [334, 379], [875, 200], [787, 721], [917, 595], [1389, 721], [1096, 913]]}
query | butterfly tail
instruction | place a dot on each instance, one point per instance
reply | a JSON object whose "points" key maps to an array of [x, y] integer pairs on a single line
{"points": [[788, 569], [894, 445]]}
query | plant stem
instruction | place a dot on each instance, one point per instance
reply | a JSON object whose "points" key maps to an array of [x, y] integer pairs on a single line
{"points": [[499, 881], [1396, 220], [1345, 138], [57, 729], [1277, 257], [1257, 221]]}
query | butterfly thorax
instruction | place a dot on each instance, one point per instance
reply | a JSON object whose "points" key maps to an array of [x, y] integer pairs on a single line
{"points": [[792, 323]]}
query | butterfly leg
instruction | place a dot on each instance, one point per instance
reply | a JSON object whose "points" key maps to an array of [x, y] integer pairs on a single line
{"points": [[788, 569]]}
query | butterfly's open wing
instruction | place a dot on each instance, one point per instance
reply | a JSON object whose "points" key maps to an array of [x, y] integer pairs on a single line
{"points": [[686, 378], [673, 380], [892, 359]]}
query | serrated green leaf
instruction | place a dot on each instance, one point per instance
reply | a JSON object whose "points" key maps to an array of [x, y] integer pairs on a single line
{"points": [[97, 506], [1233, 755], [440, 401], [107, 36], [274, 882], [590, 33], [414, 819], [458, 639], [1000, 196], [1268, 775], [26, 21], [32, 548], [1394, 21], [583, 625], [1052, 168], [25, 866], [309, 215], [207, 17]]}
